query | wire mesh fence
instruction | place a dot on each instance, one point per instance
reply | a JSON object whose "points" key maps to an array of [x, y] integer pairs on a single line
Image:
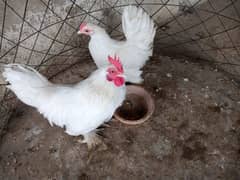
{"points": [[42, 33]]}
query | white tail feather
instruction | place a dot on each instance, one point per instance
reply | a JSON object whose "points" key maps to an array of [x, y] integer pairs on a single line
{"points": [[138, 27], [28, 84]]}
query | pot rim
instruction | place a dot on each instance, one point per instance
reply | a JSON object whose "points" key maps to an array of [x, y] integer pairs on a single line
{"points": [[148, 99]]}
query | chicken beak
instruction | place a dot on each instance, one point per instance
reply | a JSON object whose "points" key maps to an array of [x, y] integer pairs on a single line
{"points": [[122, 75], [79, 32]]}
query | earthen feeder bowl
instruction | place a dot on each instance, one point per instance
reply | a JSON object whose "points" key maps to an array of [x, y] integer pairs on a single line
{"points": [[137, 107]]}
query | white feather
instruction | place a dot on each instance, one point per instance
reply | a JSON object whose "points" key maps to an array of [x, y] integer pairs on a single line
{"points": [[81, 108]]}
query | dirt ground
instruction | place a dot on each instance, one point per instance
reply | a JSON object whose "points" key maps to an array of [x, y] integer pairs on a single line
{"points": [[192, 135]]}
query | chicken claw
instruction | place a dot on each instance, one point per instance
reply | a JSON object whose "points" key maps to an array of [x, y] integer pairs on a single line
{"points": [[92, 139]]}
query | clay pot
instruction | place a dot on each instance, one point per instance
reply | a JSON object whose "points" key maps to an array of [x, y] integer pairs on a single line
{"points": [[137, 107]]}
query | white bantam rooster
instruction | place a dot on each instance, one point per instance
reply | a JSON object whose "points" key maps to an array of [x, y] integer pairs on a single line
{"points": [[80, 108], [139, 31]]}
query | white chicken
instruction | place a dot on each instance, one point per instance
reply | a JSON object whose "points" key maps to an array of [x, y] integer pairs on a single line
{"points": [[80, 108], [139, 31]]}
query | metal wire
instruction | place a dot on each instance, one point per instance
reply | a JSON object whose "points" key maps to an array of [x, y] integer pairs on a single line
{"points": [[76, 12]]}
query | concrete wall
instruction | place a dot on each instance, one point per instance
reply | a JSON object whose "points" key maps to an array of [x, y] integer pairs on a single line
{"points": [[42, 33]]}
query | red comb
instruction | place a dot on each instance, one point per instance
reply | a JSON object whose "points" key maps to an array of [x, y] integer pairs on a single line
{"points": [[82, 25], [116, 62]]}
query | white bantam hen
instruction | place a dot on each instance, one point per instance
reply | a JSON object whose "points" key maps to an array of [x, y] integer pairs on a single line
{"points": [[80, 108], [139, 31]]}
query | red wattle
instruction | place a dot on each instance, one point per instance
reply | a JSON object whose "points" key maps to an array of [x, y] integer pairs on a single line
{"points": [[119, 81]]}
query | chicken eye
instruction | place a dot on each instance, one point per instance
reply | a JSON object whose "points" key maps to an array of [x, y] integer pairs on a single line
{"points": [[86, 30]]}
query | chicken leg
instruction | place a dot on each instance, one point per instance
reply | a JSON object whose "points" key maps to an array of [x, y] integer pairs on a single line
{"points": [[92, 139]]}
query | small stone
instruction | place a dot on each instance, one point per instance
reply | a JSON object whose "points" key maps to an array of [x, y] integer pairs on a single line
{"points": [[164, 28], [186, 79], [145, 152], [206, 96], [169, 75], [14, 160], [158, 89]]}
